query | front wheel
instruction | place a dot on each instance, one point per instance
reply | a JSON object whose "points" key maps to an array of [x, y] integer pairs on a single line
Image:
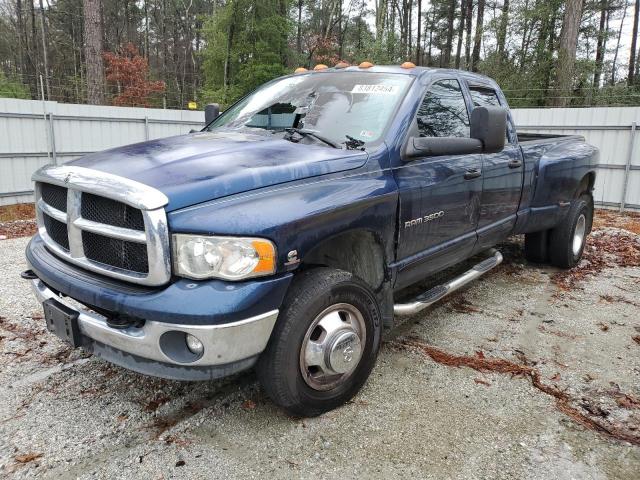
{"points": [[324, 344]]}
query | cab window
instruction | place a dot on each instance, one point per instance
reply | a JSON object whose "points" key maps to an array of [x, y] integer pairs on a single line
{"points": [[487, 97], [443, 112]]}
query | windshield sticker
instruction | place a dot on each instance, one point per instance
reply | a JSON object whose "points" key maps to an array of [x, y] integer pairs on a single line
{"points": [[367, 134], [376, 89]]}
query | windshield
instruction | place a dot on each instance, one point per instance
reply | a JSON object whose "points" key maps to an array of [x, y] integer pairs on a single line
{"points": [[333, 106]]}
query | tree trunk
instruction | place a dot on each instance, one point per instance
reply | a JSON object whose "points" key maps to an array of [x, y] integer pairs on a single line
{"points": [[567, 52], [463, 7], [467, 46], [502, 29], [451, 14], [419, 32], [632, 52], [615, 55], [299, 33], [93, 51], [477, 43], [430, 39], [602, 43]]}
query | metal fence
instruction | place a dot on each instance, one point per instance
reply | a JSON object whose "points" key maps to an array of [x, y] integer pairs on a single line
{"points": [[613, 130], [34, 133]]}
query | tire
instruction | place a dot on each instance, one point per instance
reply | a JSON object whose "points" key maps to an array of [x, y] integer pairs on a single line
{"points": [[567, 240], [318, 301], [536, 246]]}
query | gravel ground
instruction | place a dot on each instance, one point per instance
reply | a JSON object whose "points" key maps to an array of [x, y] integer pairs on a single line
{"points": [[64, 414]]}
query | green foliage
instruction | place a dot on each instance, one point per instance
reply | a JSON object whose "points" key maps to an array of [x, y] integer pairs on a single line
{"points": [[12, 88], [246, 46]]}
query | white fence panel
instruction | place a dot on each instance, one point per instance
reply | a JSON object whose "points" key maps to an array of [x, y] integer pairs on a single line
{"points": [[28, 140], [34, 133], [613, 130]]}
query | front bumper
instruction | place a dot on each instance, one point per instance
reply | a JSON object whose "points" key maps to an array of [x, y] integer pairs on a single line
{"points": [[231, 344], [232, 320]]}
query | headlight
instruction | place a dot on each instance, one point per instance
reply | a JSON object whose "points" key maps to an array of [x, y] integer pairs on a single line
{"points": [[229, 258]]}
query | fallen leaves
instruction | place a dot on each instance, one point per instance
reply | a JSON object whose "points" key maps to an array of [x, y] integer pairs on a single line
{"points": [[636, 338], [249, 405], [19, 211], [156, 403], [482, 382], [27, 457], [605, 248], [462, 305], [564, 402], [17, 228]]}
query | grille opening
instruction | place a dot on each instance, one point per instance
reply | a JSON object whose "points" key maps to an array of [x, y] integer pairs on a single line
{"points": [[117, 253], [56, 230], [111, 212], [54, 196]]}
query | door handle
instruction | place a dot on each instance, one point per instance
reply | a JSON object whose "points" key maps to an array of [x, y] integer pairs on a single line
{"points": [[515, 163], [472, 173]]}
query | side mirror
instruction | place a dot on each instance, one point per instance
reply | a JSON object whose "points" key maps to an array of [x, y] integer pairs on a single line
{"points": [[489, 125], [211, 112], [488, 131]]}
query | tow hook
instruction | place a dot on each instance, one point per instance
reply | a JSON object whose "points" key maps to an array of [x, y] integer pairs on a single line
{"points": [[28, 275]]}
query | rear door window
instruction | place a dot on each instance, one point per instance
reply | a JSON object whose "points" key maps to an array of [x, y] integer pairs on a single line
{"points": [[487, 97]]}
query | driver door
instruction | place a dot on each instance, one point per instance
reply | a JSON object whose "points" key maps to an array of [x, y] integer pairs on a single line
{"points": [[439, 196]]}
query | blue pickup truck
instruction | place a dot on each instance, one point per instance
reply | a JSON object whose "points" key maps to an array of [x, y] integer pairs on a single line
{"points": [[282, 235]]}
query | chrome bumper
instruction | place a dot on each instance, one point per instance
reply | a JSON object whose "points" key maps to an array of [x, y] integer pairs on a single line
{"points": [[223, 344]]}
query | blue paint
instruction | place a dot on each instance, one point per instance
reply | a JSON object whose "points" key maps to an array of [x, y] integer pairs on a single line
{"points": [[300, 195]]}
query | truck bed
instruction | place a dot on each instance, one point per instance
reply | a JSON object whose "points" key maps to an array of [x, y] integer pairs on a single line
{"points": [[530, 138]]}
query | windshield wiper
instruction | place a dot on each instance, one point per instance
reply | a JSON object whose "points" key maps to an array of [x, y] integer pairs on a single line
{"points": [[353, 143], [310, 133]]}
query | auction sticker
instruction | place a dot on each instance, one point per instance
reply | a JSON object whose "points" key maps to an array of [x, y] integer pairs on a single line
{"points": [[376, 89]]}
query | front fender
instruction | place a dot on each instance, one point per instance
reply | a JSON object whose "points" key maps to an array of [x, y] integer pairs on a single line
{"points": [[301, 215]]}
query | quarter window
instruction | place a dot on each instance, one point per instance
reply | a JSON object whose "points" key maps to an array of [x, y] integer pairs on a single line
{"points": [[443, 112]]}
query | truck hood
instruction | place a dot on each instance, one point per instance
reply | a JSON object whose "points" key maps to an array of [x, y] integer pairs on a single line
{"points": [[195, 168]]}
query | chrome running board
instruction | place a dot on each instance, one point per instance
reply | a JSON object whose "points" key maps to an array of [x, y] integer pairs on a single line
{"points": [[438, 292]]}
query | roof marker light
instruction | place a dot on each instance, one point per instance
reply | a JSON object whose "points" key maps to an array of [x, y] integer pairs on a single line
{"points": [[320, 66], [366, 65], [342, 64], [408, 65], [300, 70]]}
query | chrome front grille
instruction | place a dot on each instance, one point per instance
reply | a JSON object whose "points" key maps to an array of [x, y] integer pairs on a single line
{"points": [[104, 223]]}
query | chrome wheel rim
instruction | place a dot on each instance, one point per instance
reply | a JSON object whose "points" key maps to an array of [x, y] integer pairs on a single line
{"points": [[332, 346], [578, 235]]}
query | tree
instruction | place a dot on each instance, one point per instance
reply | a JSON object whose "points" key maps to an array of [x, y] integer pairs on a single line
{"points": [[502, 30], [602, 42], [129, 71], [475, 56], [12, 88], [632, 51], [567, 52], [93, 51]]}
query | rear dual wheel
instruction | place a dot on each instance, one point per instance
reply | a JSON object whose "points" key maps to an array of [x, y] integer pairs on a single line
{"points": [[324, 344], [563, 245]]}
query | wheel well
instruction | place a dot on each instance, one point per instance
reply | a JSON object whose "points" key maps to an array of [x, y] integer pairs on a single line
{"points": [[356, 251], [586, 184]]}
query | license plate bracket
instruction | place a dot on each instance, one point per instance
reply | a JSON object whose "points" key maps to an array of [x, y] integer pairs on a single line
{"points": [[62, 321]]}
